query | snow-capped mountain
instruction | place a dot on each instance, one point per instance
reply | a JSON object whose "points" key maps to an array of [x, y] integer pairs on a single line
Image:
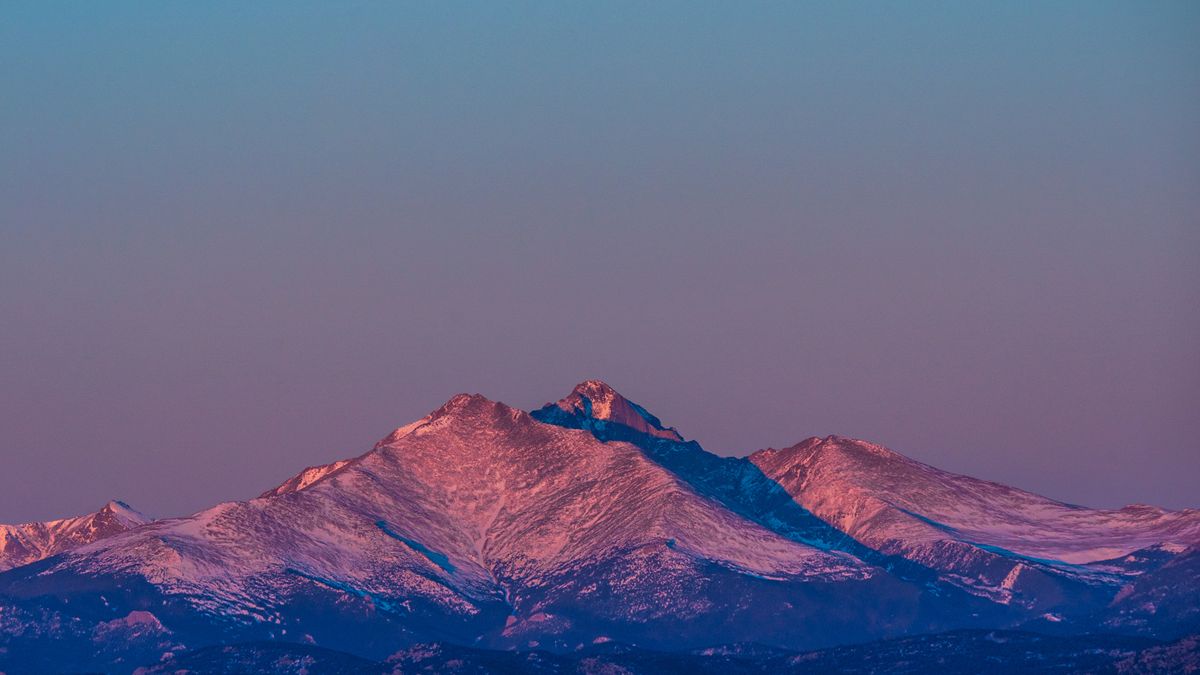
{"points": [[584, 522], [476, 523], [30, 542], [994, 539], [989, 539]]}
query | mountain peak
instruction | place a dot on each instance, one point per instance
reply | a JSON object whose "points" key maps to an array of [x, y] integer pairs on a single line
{"points": [[116, 506], [464, 407], [594, 386], [596, 400], [461, 402], [832, 445], [30, 542], [124, 514]]}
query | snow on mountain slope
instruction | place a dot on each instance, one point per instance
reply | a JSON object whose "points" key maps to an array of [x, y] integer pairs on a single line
{"points": [[864, 499], [862, 487], [733, 481], [544, 494], [313, 474], [957, 523], [591, 520], [305, 478], [475, 521], [30, 542]]}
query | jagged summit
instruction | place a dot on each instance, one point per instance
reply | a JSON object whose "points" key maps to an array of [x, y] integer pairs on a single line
{"points": [[29, 542], [118, 506], [123, 513], [831, 444], [814, 446], [595, 401], [461, 402], [469, 407], [459, 408]]}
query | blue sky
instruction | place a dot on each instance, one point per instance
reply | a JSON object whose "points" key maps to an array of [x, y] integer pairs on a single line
{"points": [[239, 239]]}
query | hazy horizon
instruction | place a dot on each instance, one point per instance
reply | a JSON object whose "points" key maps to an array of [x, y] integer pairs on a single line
{"points": [[238, 240]]}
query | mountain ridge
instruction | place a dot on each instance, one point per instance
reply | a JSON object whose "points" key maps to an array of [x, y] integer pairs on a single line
{"points": [[484, 524]]}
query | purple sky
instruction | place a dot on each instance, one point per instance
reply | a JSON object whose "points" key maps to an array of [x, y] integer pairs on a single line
{"points": [[238, 240]]}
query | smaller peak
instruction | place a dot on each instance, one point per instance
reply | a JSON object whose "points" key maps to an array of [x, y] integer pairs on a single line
{"points": [[463, 399], [118, 506], [840, 445], [471, 409], [835, 439], [858, 444], [123, 512], [1139, 507], [462, 402], [464, 407]]}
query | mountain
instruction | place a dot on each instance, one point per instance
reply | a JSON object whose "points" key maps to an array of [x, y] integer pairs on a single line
{"points": [[998, 541], [30, 542], [733, 481], [988, 539], [586, 523], [476, 524]]}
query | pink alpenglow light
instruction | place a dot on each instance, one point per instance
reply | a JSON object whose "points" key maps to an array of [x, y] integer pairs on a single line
{"points": [[585, 522], [29, 542]]}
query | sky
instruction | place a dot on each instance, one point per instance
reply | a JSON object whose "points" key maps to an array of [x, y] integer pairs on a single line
{"points": [[237, 239]]}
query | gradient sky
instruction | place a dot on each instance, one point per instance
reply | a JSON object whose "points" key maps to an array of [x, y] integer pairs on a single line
{"points": [[240, 238]]}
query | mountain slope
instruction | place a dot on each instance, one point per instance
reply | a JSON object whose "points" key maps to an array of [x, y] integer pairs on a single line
{"points": [[477, 523], [30, 542], [995, 539], [992, 540], [733, 481], [590, 522], [1164, 602]]}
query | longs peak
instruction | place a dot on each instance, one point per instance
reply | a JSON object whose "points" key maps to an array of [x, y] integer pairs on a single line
{"points": [[594, 401]]}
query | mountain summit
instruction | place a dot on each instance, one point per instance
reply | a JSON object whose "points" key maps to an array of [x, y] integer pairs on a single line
{"points": [[29, 542], [592, 403]]}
